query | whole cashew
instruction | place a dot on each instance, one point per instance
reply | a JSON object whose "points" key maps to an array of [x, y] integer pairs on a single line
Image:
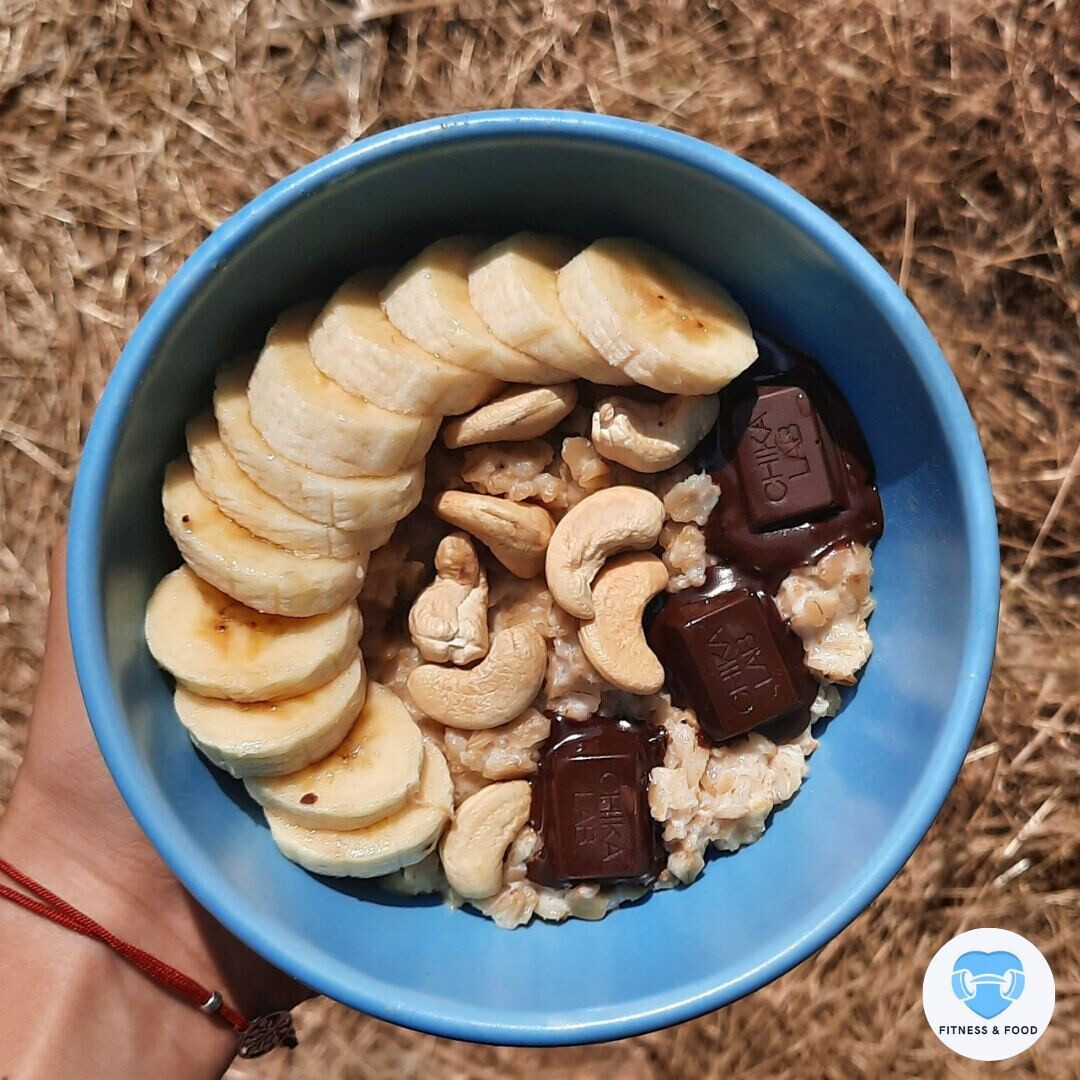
{"points": [[648, 437], [500, 687], [448, 620], [484, 827], [517, 414], [616, 519], [614, 640], [517, 535]]}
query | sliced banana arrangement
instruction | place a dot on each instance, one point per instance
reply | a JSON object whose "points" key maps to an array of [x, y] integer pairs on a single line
{"points": [[350, 503], [219, 648], [311, 419], [656, 319], [398, 840], [273, 738], [237, 496], [252, 570], [356, 345], [466, 734], [367, 777], [514, 288], [429, 302]]}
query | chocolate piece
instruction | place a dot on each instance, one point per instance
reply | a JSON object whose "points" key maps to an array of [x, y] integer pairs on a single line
{"points": [[787, 461], [590, 804], [731, 658], [795, 474]]}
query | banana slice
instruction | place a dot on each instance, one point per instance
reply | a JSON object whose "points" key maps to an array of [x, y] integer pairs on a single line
{"points": [[388, 845], [654, 317], [428, 301], [513, 287], [343, 502], [356, 345], [310, 419], [240, 498], [253, 571], [271, 738], [370, 776], [219, 648]]}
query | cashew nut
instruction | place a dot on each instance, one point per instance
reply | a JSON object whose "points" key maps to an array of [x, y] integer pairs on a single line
{"points": [[616, 519], [484, 827], [522, 412], [489, 694], [516, 535], [614, 640], [649, 437], [448, 620]]}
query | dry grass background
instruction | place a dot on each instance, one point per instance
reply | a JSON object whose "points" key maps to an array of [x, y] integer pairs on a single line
{"points": [[945, 136]]}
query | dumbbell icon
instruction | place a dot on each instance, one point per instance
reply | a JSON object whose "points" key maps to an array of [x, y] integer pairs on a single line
{"points": [[988, 982], [966, 984]]}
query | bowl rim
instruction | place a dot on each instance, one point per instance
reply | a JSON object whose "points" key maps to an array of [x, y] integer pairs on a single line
{"points": [[461, 1020]]}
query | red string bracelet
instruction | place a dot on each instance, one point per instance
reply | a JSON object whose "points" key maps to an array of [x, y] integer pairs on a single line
{"points": [[256, 1037]]}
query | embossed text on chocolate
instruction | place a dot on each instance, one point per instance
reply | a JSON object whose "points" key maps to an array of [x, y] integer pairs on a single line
{"points": [[768, 445], [737, 660], [784, 459], [600, 819]]}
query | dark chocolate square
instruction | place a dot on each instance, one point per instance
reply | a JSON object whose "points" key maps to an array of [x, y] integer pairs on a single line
{"points": [[729, 656], [794, 471], [597, 821], [787, 461], [590, 804], [736, 665]]}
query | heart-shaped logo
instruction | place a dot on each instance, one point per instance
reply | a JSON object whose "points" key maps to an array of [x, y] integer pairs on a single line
{"points": [[988, 982]]}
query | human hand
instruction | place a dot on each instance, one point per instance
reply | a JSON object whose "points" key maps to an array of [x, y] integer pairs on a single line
{"points": [[68, 828]]}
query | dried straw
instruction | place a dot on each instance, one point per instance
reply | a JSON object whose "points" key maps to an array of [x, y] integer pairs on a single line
{"points": [[945, 137]]}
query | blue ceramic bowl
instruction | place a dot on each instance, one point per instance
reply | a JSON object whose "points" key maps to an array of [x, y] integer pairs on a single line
{"points": [[886, 763]]}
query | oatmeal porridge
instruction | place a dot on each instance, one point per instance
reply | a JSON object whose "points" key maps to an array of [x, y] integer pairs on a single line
{"points": [[519, 576]]}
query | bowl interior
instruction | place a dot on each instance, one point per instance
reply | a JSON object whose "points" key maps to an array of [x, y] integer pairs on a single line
{"points": [[884, 763]]}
